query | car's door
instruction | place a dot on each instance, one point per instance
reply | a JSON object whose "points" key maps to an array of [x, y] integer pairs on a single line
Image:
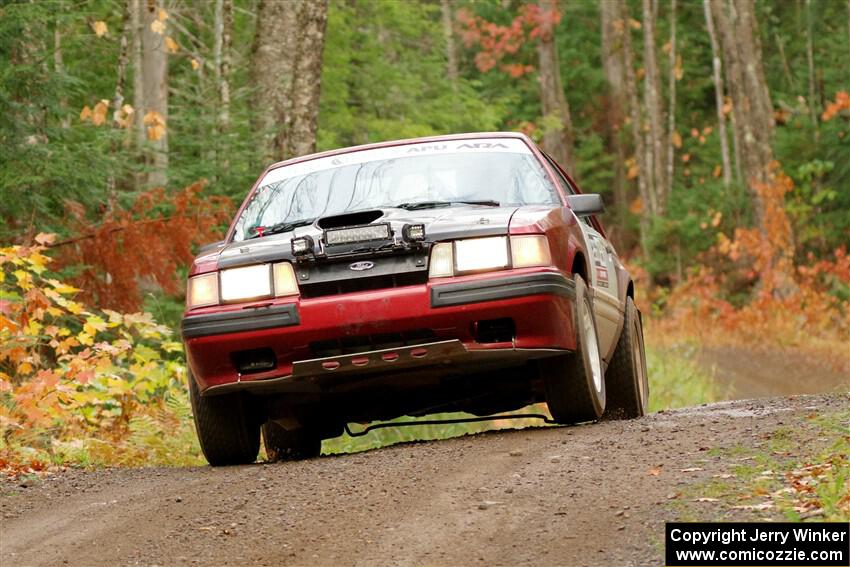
{"points": [[602, 269]]}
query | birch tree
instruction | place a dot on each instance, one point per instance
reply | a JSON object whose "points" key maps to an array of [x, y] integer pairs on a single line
{"points": [[558, 125], [612, 60], [717, 76]]}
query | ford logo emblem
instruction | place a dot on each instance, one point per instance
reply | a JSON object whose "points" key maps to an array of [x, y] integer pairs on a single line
{"points": [[361, 266]]}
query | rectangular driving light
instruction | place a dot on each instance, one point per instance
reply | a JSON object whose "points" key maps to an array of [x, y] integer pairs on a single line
{"points": [[481, 254], [250, 282], [414, 232], [302, 246], [352, 235]]}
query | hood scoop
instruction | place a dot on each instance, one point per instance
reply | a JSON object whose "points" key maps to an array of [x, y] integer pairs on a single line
{"points": [[349, 219]]}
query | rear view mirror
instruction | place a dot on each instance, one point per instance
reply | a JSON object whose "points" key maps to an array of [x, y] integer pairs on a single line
{"points": [[586, 205]]}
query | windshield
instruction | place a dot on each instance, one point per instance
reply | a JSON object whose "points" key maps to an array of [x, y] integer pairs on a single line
{"points": [[503, 171]]}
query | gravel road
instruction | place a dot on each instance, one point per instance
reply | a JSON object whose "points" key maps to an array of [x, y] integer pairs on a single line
{"points": [[587, 495]]}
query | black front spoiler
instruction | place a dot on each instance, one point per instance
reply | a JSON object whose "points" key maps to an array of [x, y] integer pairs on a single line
{"points": [[502, 288], [254, 319]]}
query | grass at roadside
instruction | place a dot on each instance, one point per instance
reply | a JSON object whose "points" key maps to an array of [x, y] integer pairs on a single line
{"points": [[798, 472]]}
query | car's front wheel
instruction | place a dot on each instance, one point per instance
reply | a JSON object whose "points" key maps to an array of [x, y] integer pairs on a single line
{"points": [[227, 425], [290, 444], [628, 387], [574, 383]]}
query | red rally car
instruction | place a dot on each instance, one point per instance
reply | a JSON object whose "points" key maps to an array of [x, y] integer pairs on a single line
{"points": [[452, 273]]}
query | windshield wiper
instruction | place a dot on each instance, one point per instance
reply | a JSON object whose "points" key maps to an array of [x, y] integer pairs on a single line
{"points": [[435, 204], [279, 227]]}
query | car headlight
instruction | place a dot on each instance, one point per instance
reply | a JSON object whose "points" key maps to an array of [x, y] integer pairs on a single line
{"points": [[491, 253], [481, 254], [248, 282], [284, 280], [442, 261], [530, 250], [202, 290]]}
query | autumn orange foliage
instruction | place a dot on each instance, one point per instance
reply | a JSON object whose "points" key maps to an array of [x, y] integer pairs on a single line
{"points": [[498, 41], [141, 247], [791, 306], [78, 381], [841, 102]]}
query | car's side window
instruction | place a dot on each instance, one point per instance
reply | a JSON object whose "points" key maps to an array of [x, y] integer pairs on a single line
{"points": [[562, 181], [567, 187]]}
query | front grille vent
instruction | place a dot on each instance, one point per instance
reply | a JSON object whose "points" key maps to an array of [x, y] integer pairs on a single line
{"points": [[337, 287]]}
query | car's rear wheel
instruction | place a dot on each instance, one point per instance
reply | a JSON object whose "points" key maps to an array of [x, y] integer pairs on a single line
{"points": [[574, 383], [290, 444], [227, 425], [628, 386]]}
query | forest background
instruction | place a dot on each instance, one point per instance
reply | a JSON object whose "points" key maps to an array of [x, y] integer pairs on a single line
{"points": [[717, 131]]}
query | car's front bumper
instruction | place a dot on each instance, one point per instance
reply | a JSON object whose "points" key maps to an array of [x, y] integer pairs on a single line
{"points": [[538, 301]]}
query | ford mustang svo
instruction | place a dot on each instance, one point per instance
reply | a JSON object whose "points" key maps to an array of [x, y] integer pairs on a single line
{"points": [[453, 273]]}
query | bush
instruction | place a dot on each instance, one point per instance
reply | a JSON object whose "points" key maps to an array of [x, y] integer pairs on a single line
{"points": [[81, 385]]}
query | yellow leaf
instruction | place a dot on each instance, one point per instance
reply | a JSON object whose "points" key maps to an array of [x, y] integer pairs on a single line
{"points": [[56, 312], [85, 114], [634, 24], [195, 65], [158, 27], [24, 368], [717, 171], [716, 220], [171, 45], [99, 28], [156, 132], [162, 15], [99, 113], [62, 287], [74, 307], [676, 138], [85, 338], [155, 123], [96, 323]]}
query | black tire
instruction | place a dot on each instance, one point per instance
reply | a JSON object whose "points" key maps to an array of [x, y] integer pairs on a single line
{"points": [[228, 427], [572, 393], [290, 444], [626, 378]]}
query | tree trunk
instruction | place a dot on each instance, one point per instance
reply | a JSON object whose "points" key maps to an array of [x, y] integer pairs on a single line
{"points": [[671, 112], [221, 60], [138, 74], [754, 117], [307, 85], [718, 96], [451, 50], [637, 136], [155, 89], [274, 55], [612, 61], [557, 122], [652, 99], [118, 99], [747, 34], [810, 59], [59, 67]]}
